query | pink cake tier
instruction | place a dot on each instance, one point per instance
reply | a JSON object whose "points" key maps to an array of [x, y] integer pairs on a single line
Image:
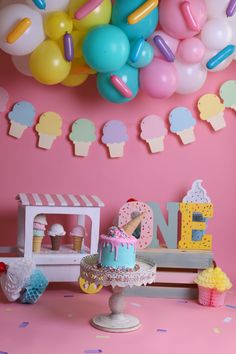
{"points": [[117, 249]]}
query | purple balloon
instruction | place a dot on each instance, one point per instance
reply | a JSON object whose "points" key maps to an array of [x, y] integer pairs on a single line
{"points": [[159, 79]]}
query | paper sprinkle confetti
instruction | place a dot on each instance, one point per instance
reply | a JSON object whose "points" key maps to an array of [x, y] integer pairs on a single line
{"points": [[161, 330], [216, 330], [105, 337], [23, 324], [69, 295], [182, 301], [134, 304], [69, 315], [227, 319], [9, 309], [231, 306], [3, 352], [93, 351]]}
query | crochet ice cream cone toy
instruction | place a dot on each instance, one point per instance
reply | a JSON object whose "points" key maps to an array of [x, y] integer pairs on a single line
{"points": [[56, 232], [212, 284]]}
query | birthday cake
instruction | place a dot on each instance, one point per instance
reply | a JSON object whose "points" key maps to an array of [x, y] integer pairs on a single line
{"points": [[117, 249]]}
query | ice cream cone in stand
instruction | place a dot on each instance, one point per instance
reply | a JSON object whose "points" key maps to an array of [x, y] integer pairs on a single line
{"points": [[132, 225], [56, 242], [156, 144], [187, 136], [16, 129], [217, 122], [46, 141], [77, 243], [37, 241], [78, 234], [82, 148]]}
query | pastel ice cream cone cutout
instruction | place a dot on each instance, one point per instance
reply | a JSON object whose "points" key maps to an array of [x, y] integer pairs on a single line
{"points": [[115, 136], [228, 94], [83, 134], [212, 110], [48, 128], [153, 131], [132, 225], [21, 117], [182, 123], [4, 98]]}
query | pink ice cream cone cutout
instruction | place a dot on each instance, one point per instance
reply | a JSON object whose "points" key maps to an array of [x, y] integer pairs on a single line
{"points": [[21, 117], [4, 98], [153, 131], [182, 123], [83, 134], [48, 128], [115, 136], [212, 110]]}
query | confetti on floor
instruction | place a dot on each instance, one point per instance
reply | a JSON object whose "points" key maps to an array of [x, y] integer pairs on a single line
{"points": [[182, 301], [216, 330], [105, 337], [87, 351], [68, 295], [8, 309], [3, 352], [227, 319], [69, 315], [23, 324], [134, 304], [231, 306], [161, 330]]}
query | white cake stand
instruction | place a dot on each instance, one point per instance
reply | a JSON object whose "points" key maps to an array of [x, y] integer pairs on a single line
{"points": [[117, 320]]}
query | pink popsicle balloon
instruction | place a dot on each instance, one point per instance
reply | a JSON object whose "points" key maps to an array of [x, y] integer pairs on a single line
{"points": [[120, 85], [88, 7], [179, 24], [191, 50]]}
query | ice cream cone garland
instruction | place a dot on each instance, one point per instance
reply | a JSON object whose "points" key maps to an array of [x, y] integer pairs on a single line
{"points": [[212, 110], [153, 131], [48, 128], [182, 123]]}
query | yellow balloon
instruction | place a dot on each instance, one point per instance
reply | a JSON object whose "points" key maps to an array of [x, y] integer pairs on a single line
{"points": [[99, 16], [57, 23], [74, 78], [47, 63]]}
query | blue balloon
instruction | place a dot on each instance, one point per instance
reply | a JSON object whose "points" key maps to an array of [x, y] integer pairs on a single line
{"points": [[106, 48], [123, 8], [106, 89], [141, 53]]}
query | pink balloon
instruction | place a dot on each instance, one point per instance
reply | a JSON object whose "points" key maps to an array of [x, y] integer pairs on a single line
{"points": [[172, 19], [191, 50], [170, 41], [159, 79]]}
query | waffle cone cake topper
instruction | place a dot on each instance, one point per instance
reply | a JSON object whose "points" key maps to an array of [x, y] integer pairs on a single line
{"points": [[131, 226]]}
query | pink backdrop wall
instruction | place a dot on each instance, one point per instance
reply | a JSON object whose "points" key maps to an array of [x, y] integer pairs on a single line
{"points": [[149, 177]]}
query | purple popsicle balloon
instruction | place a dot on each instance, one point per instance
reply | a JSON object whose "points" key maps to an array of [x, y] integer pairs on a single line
{"points": [[68, 47], [230, 11], [164, 48]]}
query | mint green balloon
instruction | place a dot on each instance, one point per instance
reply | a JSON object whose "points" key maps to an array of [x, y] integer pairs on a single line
{"points": [[106, 48]]}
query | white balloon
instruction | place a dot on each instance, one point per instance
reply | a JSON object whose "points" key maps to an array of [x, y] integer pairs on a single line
{"points": [[216, 34], [216, 9], [21, 63], [30, 39], [4, 3], [51, 5], [190, 78], [170, 41], [232, 24], [223, 65]]}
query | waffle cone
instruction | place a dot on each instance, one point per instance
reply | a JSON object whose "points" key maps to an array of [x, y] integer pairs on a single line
{"points": [[132, 225], [37, 244], [77, 243]]}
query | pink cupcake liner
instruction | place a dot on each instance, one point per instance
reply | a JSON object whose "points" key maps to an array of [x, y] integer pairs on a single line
{"points": [[210, 297]]}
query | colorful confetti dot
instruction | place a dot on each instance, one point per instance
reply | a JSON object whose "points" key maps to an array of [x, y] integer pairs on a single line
{"points": [[227, 319], [231, 306], [216, 330], [87, 351], [102, 337], [134, 304], [161, 330], [23, 324]]}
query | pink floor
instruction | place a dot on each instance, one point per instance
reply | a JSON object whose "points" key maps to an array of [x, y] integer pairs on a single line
{"points": [[59, 324]]}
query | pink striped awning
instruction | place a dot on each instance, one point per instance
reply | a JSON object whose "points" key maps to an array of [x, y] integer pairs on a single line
{"points": [[35, 199]]}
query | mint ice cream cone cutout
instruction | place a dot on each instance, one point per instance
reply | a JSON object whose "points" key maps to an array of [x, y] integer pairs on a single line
{"points": [[83, 134], [21, 117], [228, 94]]}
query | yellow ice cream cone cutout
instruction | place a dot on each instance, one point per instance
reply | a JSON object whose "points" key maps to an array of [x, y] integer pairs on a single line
{"points": [[132, 225]]}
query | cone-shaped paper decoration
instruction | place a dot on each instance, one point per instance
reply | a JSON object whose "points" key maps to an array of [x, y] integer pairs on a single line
{"points": [[133, 224]]}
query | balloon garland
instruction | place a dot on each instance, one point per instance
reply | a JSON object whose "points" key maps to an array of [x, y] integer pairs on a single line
{"points": [[162, 48]]}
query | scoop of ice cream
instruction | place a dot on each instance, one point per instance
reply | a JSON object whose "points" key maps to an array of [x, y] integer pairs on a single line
{"points": [[78, 231], [213, 278], [197, 194], [180, 119], [114, 131], [38, 233], [83, 130], [23, 112], [49, 123], [228, 93], [4, 97], [209, 106], [38, 226], [56, 230], [152, 126], [41, 219]]}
